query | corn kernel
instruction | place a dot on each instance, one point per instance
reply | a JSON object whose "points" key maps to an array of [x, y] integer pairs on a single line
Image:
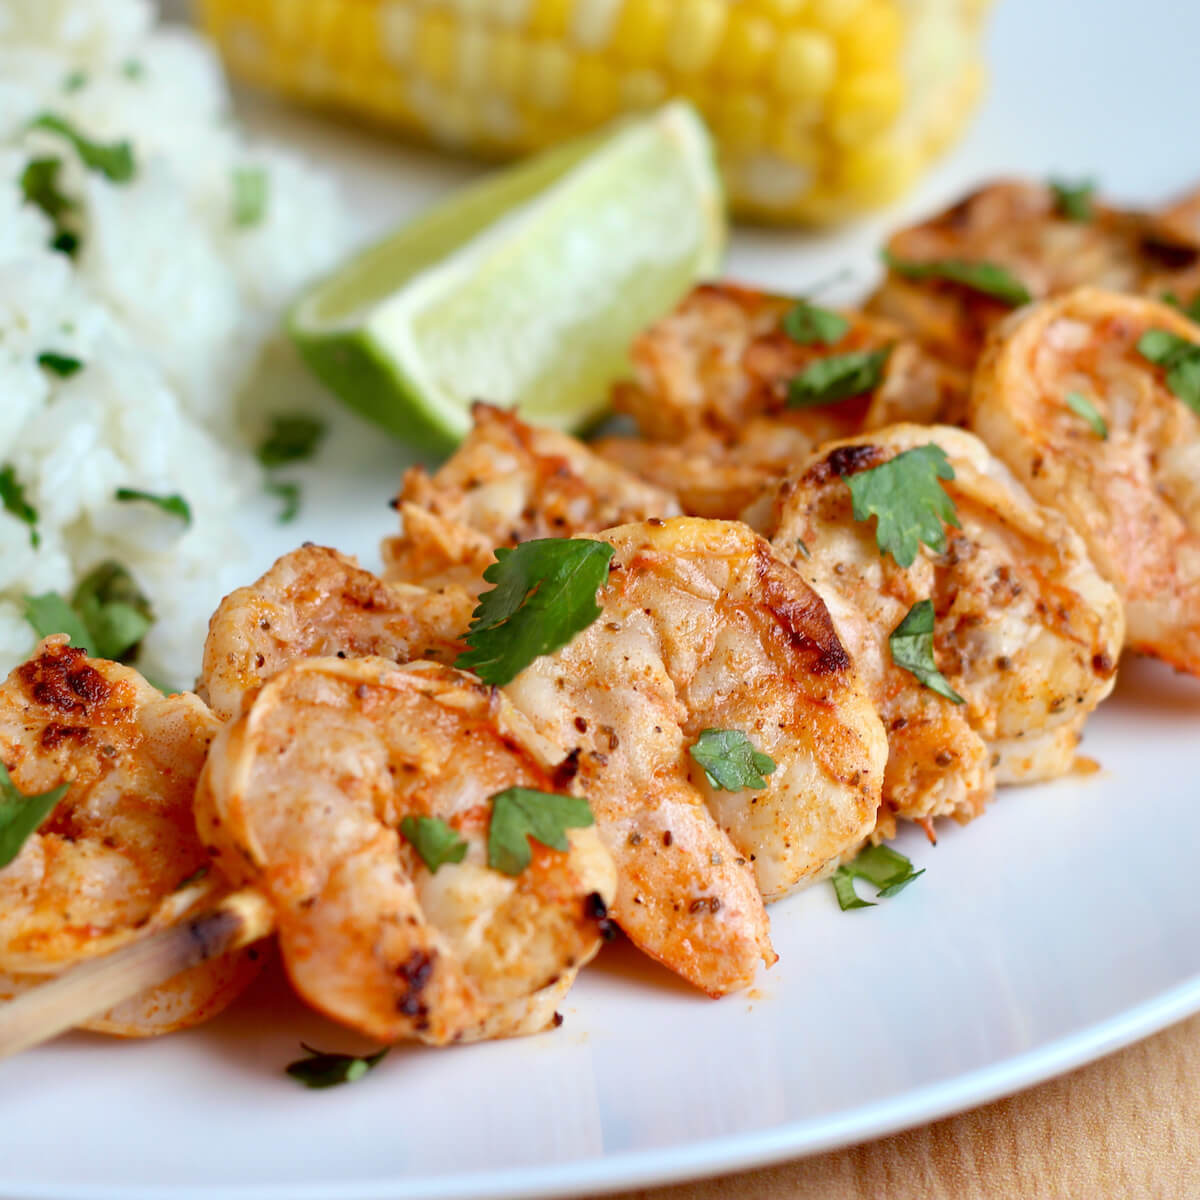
{"points": [[863, 105], [782, 11], [397, 22], [641, 31], [435, 46], [475, 47], [506, 66], [642, 89], [745, 48], [513, 13], [830, 14], [694, 34], [873, 39], [792, 133], [740, 121], [594, 91], [877, 172], [549, 75], [593, 22], [548, 18], [804, 65]]}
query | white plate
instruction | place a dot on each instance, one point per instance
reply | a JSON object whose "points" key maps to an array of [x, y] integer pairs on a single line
{"points": [[1055, 929]]}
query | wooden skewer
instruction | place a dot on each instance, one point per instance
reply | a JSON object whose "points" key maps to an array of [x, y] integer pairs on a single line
{"points": [[94, 987]]}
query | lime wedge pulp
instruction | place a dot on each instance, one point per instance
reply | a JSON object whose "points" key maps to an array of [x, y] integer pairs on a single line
{"points": [[526, 288]]}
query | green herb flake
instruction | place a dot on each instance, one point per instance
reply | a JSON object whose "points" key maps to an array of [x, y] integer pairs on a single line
{"points": [[173, 505], [545, 594], [911, 643], [1073, 201], [1081, 406], [911, 505], [1180, 358], [198, 874], [1191, 310], [39, 186], [809, 325], [519, 814], [289, 493], [730, 761], [986, 278], [434, 841], [249, 196], [113, 610], [882, 866], [12, 494], [62, 365], [321, 1069], [113, 160], [75, 81], [49, 613], [827, 380], [133, 70], [66, 243], [291, 437], [20, 815]]}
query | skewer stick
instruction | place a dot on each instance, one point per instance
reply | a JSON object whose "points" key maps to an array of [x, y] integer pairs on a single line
{"points": [[94, 987]]}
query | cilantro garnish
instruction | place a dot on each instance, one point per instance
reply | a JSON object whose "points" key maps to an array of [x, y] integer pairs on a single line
{"points": [[987, 278], [519, 814], [62, 365], [66, 242], [1181, 359], [289, 493], [20, 815], [1191, 310], [837, 377], [249, 196], [292, 437], [106, 617], [322, 1069], [75, 81], [1079, 404], [12, 495], [173, 505], [1073, 201], [730, 760], [114, 160], [904, 493], [911, 643], [434, 840], [882, 866], [807, 324], [133, 69], [545, 594]]}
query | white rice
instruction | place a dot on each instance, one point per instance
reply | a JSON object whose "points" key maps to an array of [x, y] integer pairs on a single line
{"points": [[168, 304]]}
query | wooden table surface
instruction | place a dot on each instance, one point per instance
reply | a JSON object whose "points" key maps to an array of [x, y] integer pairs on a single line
{"points": [[1123, 1128]]}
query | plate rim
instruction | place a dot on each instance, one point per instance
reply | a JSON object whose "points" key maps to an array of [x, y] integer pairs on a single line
{"points": [[711, 1157]]}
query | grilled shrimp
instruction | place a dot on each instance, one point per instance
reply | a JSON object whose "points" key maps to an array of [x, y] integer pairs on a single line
{"points": [[303, 796], [1133, 495], [507, 483], [1026, 631], [315, 601], [704, 627], [1020, 226], [117, 856]]}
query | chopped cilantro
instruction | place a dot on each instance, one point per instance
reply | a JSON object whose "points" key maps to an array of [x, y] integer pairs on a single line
{"points": [[1181, 359], [75, 81], [545, 594], [173, 505], [911, 643], [113, 160], [20, 815], [133, 69], [904, 493], [519, 814], [837, 377], [986, 278], [882, 866], [807, 324], [1073, 201], [292, 437], [50, 613], [249, 196], [1191, 310], [1079, 404], [113, 610], [434, 841], [730, 760], [39, 187], [62, 365], [289, 492], [12, 494], [321, 1069]]}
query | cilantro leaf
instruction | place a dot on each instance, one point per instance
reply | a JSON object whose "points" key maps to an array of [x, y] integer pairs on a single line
{"points": [[519, 814], [807, 324], [75, 81], [912, 649], [837, 377], [904, 493], [882, 866], [730, 760], [113, 611], [1073, 201], [173, 505], [50, 613], [1191, 310], [986, 278], [1181, 359], [133, 69], [545, 594], [249, 196], [66, 242], [39, 187], [62, 365], [434, 840], [20, 815], [114, 160], [12, 494], [1079, 404], [289, 492], [292, 437], [322, 1069]]}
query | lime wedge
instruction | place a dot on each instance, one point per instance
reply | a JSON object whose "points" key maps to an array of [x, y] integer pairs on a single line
{"points": [[526, 288]]}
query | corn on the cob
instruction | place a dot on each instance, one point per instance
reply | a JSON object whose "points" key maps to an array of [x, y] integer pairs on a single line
{"points": [[820, 107]]}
